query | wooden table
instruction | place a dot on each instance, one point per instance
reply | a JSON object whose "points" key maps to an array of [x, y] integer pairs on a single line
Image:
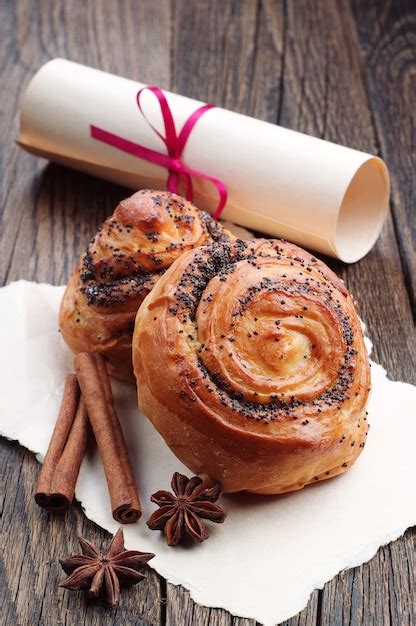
{"points": [[341, 71]]}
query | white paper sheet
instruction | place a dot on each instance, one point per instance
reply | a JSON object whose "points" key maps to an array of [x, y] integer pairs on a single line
{"points": [[315, 193], [271, 552]]}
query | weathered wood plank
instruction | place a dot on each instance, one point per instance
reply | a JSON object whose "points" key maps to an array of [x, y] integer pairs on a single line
{"points": [[375, 593], [31, 544], [181, 610], [48, 215], [81, 36], [387, 36], [214, 61]]}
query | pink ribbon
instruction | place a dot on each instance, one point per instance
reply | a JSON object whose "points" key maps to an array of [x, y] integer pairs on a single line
{"points": [[174, 143]]}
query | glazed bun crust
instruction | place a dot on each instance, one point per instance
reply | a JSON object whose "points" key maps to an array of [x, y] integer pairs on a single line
{"points": [[250, 362], [130, 252]]}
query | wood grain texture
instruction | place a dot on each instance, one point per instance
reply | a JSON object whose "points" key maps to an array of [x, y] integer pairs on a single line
{"points": [[387, 39], [32, 541], [336, 70]]}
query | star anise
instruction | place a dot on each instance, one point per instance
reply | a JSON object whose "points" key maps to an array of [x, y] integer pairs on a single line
{"points": [[180, 514], [94, 571]]}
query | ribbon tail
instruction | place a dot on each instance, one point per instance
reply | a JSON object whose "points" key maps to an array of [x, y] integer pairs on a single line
{"points": [[221, 188], [222, 191], [189, 194], [173, 182]]}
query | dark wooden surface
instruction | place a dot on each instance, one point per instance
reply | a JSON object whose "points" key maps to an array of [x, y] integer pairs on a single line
{"points": [[339, 70]]}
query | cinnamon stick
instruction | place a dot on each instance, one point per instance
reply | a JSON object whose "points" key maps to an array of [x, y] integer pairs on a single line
{"points": [[58, 476], [117, 431], [96, 390]]}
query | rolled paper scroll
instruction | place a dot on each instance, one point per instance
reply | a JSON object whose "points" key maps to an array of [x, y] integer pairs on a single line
{"points": [[315, 193]]}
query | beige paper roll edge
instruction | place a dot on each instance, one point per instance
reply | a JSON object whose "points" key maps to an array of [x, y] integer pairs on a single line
{"points": [[317, 194], [357, 229]]}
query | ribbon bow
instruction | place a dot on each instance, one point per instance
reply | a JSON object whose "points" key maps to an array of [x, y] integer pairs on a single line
{"points": [[175, 144]]}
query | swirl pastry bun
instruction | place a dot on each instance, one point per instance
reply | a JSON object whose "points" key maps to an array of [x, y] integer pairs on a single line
{"points": [[250, 362], [125, 259]]}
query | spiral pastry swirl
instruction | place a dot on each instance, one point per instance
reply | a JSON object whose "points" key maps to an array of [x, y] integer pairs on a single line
{"points": [[250, 362], [125, 259]]}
